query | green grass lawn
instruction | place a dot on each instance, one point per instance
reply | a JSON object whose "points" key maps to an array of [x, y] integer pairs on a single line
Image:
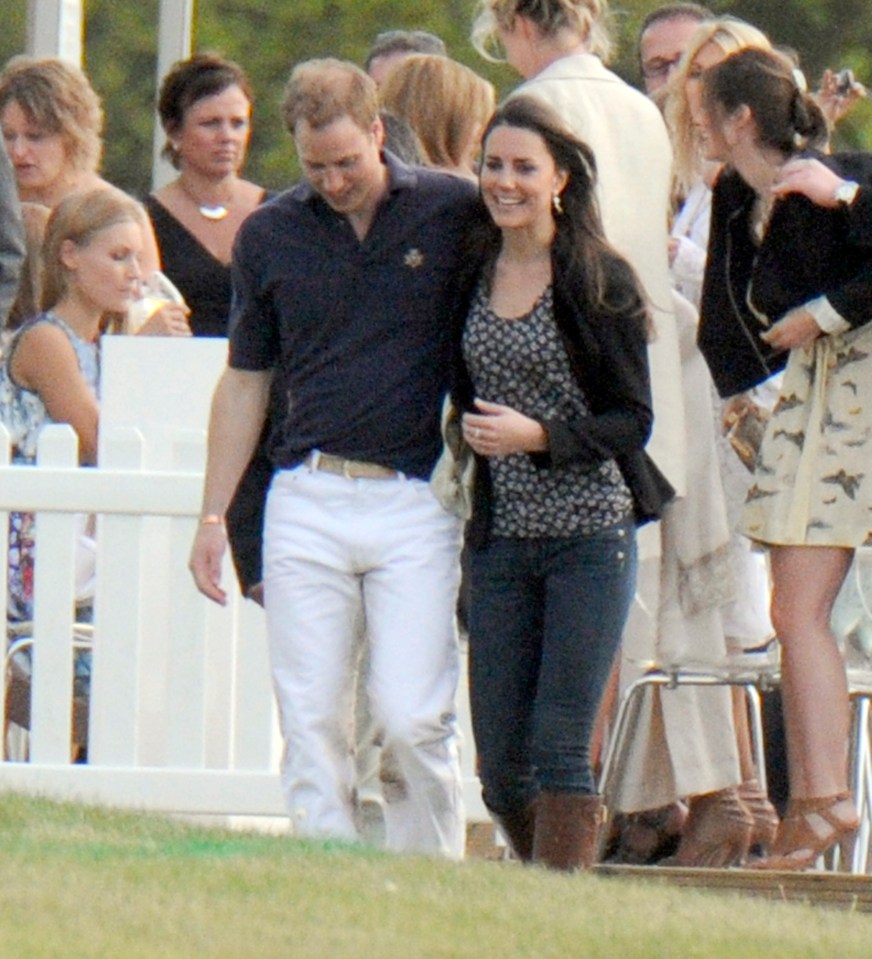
{"points": [[78, 883]]}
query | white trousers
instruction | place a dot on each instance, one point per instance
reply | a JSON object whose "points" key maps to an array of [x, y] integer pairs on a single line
{"points": [[333, 548]]}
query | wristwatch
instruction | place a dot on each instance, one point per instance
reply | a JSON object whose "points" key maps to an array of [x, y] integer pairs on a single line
{"points": [[846, 192]]}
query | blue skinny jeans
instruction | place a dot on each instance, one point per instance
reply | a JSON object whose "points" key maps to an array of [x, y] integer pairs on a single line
{"points": [[545, 621]]}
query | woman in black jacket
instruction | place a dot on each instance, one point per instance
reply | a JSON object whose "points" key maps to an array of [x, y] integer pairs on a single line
{"points": [[789, 284], [555, 391]]}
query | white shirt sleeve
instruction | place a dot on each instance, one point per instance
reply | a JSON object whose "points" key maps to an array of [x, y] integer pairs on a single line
{"points": [[826, 316]]}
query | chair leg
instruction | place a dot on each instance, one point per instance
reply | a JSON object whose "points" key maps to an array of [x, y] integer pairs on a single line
{"points": [[866, 814], [755, 725], [860, 757], [625, 721]]}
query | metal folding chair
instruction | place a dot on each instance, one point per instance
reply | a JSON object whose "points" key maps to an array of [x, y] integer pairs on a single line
{"points": [[18, 690], [753, 673]]}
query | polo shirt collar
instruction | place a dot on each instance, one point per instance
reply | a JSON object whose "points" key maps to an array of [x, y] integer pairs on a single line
{"points": [[400, 175]]}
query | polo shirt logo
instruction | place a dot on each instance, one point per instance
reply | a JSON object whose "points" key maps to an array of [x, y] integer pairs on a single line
{"points": [[414, 258]]}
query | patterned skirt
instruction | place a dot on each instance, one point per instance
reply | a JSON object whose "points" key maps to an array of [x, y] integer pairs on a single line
{"points": [[812, 483]]}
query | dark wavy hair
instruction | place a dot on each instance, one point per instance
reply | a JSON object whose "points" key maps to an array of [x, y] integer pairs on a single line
{"points": [[766, 81], [579, 240]]}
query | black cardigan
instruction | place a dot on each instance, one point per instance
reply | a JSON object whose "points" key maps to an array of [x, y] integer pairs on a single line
{"points": [[608, 355], [808, 251]]}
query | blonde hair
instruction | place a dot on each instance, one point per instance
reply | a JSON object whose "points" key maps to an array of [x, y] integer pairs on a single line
{"points": [[57, 98], [79, 218], [729, 34], [443, 101], [590, 19], [34, 216]]}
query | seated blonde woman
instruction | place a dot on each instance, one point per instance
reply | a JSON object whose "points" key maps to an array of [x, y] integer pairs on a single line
{"points": [[50, 370], [446, 104]]}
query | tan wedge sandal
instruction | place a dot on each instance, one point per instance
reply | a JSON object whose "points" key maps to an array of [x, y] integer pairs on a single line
{"points": [[810, 828]]}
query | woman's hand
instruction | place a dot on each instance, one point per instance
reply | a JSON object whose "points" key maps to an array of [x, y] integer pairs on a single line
{"points": [[170, 320], [810, 178], [500, 431], [734, 409], [741, 407], [794, 330], [834, 102]]}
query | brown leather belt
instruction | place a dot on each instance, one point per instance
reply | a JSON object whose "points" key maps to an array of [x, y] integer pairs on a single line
{"points": [[350, 469]]}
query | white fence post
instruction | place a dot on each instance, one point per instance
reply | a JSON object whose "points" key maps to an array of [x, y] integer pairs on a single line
{"points": [[51, 704], [121, 586]]}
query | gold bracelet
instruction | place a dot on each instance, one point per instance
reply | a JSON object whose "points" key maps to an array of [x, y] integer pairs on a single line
{"points": [[212, 519]]}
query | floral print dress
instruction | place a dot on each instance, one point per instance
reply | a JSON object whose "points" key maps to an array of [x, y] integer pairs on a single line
{"points": [[23, 414]]}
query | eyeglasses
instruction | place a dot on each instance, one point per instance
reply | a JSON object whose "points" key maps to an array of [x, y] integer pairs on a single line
{"points": [[659, 67]]}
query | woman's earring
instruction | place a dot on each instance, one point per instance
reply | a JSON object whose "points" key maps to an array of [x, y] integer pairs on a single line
{"points": [[557, 203]]}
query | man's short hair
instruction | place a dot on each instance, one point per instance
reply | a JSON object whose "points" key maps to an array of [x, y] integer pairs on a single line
{"points": [[405, 41], [676, 11], [321, 91]]}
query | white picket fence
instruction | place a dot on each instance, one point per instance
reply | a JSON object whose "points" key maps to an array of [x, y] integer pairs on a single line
{"points": [[182, 716]]}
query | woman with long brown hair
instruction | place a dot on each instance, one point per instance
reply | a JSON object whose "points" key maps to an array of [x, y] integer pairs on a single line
{"points": [[555, 392], [788, 284]]}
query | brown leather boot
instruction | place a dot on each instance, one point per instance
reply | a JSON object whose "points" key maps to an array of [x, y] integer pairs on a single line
{"points": [[567, 828], [517, 829]]}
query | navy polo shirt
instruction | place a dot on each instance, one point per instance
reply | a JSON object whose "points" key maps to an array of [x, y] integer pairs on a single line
{"points": [[358, 332]]}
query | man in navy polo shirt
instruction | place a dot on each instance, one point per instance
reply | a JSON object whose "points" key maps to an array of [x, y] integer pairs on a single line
{"points": [[344, 298]]}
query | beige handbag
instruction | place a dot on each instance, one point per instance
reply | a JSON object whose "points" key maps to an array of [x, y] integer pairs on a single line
{"points": [[454, 472], [746, 433]]}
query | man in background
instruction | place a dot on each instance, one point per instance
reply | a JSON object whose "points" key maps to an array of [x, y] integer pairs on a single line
{"points": [[663, 38], [393, 46]]}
